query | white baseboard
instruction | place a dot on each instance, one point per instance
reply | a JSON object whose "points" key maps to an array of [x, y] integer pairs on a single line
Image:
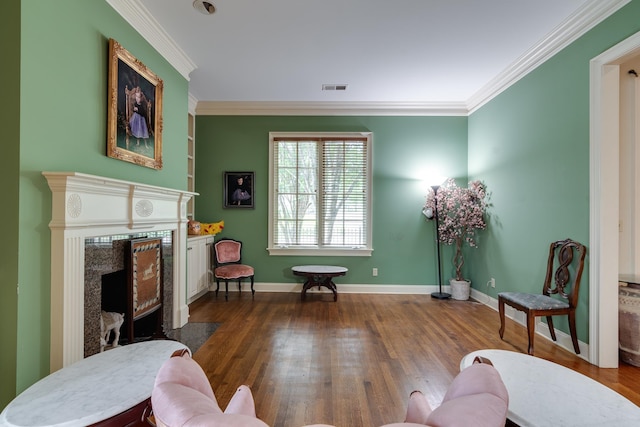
{"points": [[181, 316], [346, 288]]}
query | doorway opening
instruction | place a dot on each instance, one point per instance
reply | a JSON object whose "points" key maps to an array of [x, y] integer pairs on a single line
{"points": [[605, 199]]}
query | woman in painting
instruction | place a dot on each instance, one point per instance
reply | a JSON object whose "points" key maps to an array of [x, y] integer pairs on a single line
{"points": [[240, 195], [139, 116]]}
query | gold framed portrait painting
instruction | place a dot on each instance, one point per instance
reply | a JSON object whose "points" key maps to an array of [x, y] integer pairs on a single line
{"points": [[134, 130]]}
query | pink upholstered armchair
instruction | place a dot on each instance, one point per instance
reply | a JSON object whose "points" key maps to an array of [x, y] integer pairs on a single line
{"points": [[228, 265], [182, 396], [476, 397]]}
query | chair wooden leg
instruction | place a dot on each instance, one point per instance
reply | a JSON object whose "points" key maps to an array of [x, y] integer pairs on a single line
{"points": [[217, 286], [239, 285], [572, 329], [531, 331], [253, 291], [226, 290], [501, 311], [552, 330]]}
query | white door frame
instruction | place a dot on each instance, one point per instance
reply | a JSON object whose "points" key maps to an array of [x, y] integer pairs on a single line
{"points": [[604, 201]]}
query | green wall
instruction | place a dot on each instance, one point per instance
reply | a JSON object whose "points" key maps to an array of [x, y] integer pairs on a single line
{"points": [[404, 148], [9, 170], [529, 144], [531, 147], [63, 52]]}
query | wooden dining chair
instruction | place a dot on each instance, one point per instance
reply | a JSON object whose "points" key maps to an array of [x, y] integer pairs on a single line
{"points": [[227, 258], [559, 293]]}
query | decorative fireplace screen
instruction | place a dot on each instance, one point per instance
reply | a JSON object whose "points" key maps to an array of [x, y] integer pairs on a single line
{"points": [[144, 272]]}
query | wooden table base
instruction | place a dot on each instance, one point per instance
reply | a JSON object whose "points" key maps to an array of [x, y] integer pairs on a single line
{"points": [[320, 276], [319, 280]]}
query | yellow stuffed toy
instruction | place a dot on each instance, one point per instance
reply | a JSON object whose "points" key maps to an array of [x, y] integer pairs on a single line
{"points": [[211, 227]]}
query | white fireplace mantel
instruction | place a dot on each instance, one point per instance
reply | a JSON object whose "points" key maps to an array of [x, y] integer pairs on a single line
{"points": [[85, 206]]}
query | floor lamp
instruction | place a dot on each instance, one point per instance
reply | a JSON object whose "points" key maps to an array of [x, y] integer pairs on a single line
{"points": [[439, 294]]}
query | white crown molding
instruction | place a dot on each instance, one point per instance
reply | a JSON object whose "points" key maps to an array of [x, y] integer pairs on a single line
{"points": [[193, 103], [285, 108], [583, 20], [587, 17], [142, 21]]}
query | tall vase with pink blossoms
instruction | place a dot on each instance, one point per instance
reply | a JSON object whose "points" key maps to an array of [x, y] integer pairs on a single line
{"points": [[461, 213]]}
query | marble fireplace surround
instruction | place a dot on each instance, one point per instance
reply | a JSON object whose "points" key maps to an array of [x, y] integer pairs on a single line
{"points": [[85, 206]]}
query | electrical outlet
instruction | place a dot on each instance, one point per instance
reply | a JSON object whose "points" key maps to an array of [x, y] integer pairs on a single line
{"points": [[492, 282], [375, 271]]}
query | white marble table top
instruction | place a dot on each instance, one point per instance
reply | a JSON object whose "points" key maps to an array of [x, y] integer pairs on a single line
{"points": [[543, 393], [92, 389], [319, 269]]}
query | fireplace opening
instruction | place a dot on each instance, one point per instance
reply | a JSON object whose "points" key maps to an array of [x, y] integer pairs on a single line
{"points": [[114, 292], [116, 298], [109, 288]]}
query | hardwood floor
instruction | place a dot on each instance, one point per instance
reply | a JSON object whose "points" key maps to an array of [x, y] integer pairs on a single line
{"points": [[354, 362]]}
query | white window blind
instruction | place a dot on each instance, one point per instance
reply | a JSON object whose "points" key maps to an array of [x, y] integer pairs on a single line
{"points": [[320, 192]]}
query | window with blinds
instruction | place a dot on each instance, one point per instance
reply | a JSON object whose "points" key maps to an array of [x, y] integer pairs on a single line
{"points": [[320, 193]]}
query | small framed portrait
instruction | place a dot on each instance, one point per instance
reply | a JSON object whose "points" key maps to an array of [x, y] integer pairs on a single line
{"points": [[238, 190], [134, 128]]}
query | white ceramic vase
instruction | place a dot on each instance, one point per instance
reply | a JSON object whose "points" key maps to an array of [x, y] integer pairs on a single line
{"points": [[460, 289]]}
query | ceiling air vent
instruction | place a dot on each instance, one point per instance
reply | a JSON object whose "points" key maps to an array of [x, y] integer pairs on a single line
{"points": [[334, 87]]}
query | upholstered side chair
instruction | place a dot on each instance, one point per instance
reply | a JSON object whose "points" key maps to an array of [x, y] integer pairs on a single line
{"points": [[228, 265], [559, 292]]}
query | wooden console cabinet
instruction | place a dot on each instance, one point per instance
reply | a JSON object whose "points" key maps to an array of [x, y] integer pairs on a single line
{"points": [[199, 265]]}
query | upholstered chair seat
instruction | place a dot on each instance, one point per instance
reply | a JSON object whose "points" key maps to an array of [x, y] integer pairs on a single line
{"points": [[233, 271], [538, 302]]}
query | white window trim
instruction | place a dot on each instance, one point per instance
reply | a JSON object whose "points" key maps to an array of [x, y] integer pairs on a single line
{"points": [[312, 251]]}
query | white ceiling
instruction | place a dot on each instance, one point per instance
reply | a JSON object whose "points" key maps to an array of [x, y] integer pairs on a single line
{"points": [[423, 52]]}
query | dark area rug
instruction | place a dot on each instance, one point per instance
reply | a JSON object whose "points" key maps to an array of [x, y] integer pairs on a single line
{"points": [[193, 335]]}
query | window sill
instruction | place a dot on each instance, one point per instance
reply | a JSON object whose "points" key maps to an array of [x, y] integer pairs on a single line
{"points": [[319, 252]]}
